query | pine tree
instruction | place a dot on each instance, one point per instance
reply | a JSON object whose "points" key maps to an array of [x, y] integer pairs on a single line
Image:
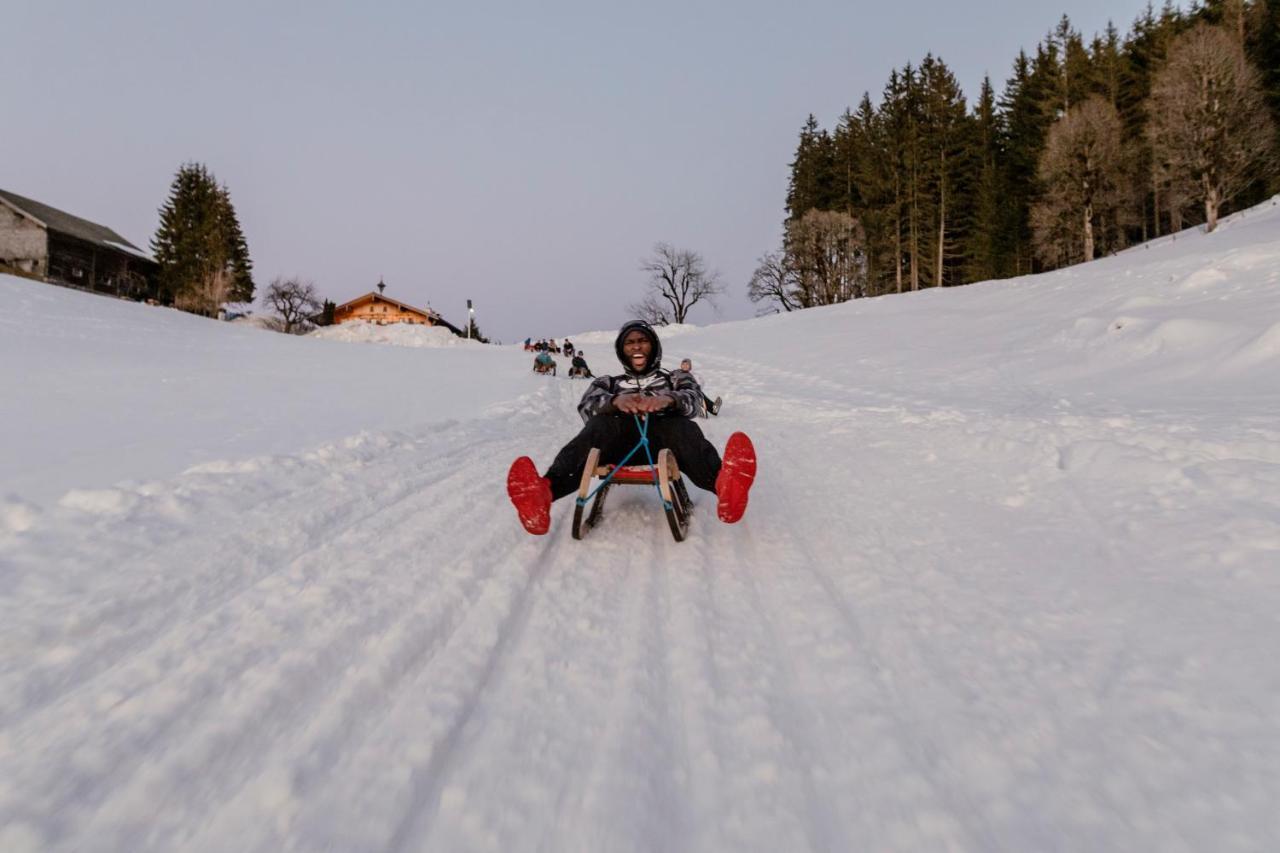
{"points": [[327, 310], [1144, 52], [986, 245], [1264, 52], [944, 137], [894, 122], [238, 263], [1075, 78], [875, 180], [813, 182], [1023, 126], [907, 142], [201, 250], [1108, 65]]}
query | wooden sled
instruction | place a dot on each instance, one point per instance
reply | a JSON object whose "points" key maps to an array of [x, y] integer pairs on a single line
{"points": [[675, 497]]}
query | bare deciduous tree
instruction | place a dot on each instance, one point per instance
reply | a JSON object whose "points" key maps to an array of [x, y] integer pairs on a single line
{"points": [[775, 283], [295, 303], [1083, 182], [827, 251], [678, 280], [1209, 121], [1176, 188], [650, 310], [206, 294]]}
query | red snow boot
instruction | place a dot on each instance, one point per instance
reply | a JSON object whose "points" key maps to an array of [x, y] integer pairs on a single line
{"points": [[531, 496], [737, 472]]}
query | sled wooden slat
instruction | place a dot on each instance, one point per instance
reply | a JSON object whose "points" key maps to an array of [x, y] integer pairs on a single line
{"points": [[582, 519]]}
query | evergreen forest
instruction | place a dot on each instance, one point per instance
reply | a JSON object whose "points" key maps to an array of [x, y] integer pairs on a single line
{"points": [[1088, 147]]}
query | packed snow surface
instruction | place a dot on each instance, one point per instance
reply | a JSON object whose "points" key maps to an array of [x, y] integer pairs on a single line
{"points": [[1009, 579]]}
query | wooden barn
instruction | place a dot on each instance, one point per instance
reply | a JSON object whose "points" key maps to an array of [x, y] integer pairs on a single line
{"points": [[50, 244], [376, 307]]}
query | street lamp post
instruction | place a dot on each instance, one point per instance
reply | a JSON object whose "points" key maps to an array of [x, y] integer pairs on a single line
{"points": [[471, 316]]}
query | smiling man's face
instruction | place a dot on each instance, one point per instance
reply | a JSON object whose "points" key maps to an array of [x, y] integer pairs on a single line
{"points": [[636, 346]]}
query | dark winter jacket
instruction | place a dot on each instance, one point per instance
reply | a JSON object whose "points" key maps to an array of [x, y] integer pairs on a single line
{"points": [[651, 381]]}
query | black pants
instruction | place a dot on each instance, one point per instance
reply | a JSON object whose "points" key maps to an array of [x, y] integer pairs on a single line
{"points": [[615, 435]]}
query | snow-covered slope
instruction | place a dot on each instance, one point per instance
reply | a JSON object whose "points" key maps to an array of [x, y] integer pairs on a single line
{"points": [[98, 390], [397, 334], [1009, 580]]}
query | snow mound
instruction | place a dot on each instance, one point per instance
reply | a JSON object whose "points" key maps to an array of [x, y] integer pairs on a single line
{"points": [[1264, 348], [396, 334], [1177, 335], [254, 321]]}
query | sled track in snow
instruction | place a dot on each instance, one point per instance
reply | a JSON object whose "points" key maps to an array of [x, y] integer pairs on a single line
{"points": [[905, 728], [427, 780], [381, 660], [144, 619], [232, 655]]}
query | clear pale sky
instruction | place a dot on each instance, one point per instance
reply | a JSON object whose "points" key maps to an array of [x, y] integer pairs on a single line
{"points": [[523, 155]]}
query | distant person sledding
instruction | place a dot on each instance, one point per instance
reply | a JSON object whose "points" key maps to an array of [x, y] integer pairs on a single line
{"points": [[709, 406], [544, 363], [567, 347], [579, 367]]}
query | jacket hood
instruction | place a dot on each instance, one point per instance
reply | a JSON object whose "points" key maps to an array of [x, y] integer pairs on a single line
{"points": [[655, 357]]}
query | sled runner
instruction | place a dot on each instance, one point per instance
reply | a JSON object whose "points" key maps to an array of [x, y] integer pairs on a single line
{"points": [[663, 475]]}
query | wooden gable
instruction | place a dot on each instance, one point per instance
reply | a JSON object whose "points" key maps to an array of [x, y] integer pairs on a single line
{"points": [[378, 308]]}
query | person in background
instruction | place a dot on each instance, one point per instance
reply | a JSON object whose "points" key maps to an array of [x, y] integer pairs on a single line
{"points": [[544, 363], [579, 367], [709, 406]]}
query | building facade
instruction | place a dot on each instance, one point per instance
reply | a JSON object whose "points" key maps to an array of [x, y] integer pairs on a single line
{"points": [[376, 307], [55, 246]]}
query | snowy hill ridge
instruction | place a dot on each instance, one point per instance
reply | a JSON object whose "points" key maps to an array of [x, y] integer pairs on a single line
{"points": [[1008, 580], [396, 334], [1191, 308]]}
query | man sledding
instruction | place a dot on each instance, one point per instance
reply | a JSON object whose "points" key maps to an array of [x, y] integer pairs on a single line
{"points": [[644, 401], [544, 363]]}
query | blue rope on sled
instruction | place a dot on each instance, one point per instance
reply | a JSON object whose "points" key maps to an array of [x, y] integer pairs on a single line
{"points": [[642, 424]]}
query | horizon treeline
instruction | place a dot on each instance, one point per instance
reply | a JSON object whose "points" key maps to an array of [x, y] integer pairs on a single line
{"points": [[1076, 157]]}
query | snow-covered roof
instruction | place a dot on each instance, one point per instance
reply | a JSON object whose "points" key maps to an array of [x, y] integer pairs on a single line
{"points": [[73, 226]]}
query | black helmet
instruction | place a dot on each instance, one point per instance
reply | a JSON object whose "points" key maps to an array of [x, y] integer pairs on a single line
{"points": [[655, 357]]}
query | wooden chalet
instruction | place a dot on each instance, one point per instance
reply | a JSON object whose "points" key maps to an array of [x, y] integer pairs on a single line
{"points": [[376, 307], [44, 242]]}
